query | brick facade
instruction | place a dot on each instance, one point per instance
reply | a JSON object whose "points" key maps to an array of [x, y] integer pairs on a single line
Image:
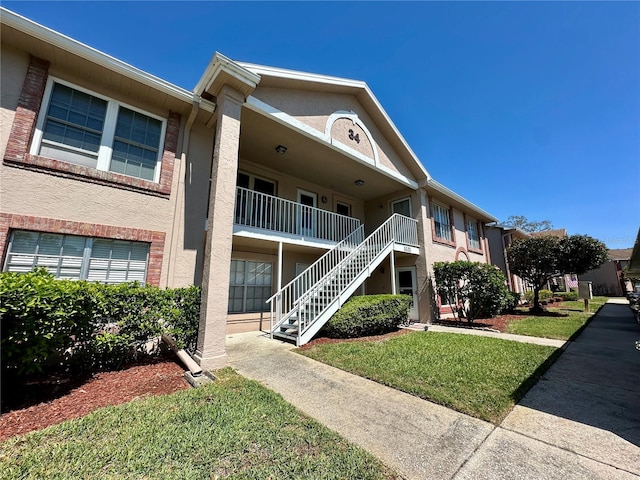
{"points": [[24, 124], [156, 240]]}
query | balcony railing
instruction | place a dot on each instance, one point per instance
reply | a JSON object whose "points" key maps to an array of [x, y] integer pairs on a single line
{"points": [[267, 212]]}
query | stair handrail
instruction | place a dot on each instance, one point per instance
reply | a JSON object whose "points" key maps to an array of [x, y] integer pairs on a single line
{"points": [[394, 229], [311, 275]]}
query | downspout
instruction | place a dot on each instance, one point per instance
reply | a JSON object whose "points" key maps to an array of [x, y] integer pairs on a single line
{"points": [[179, 191], [506, 261]]}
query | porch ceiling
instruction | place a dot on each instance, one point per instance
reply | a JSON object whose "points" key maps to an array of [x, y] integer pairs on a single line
{"points": [[308, 159]]}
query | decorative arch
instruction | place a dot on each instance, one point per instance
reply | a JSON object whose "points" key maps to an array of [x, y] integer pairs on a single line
{"points": [[462, 251], [353, 117]]}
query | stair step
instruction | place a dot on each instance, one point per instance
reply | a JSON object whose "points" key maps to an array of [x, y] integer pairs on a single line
{"points": [[286, 336]]}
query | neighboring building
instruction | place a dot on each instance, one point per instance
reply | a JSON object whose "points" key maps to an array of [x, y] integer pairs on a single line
{"points": [[112, 174], [609, 279], [500, 238]]}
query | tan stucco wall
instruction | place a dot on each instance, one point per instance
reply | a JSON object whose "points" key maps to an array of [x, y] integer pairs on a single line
{"points": [[192, 208], [314, 110], [13, 65], [40, 194]]}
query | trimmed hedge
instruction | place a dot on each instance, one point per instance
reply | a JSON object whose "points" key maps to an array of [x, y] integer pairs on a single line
{"points": [[49, 325], [543, 295], [568, 296], [368, 315]]}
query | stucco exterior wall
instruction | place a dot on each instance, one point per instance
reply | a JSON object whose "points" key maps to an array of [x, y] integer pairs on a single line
{"points": [[50, 195], [13, 65], [604, 280], [440, 252], [314, 110], [191, 209]]}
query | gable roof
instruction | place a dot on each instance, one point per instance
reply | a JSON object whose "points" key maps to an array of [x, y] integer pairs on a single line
{"points": [[293, 79], [620, 253], [558, 232]]}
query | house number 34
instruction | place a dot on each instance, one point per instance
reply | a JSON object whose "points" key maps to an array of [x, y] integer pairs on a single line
{"points": [[354, 136]]}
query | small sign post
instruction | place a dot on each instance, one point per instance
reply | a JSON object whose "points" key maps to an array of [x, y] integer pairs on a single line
{"points": [[585, 292]]}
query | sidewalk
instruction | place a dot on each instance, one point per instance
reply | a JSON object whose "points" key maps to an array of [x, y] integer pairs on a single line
{"points": [[581, 421]]}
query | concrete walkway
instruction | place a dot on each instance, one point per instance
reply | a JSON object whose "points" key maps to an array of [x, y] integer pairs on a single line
{"points": [[581, 421]]}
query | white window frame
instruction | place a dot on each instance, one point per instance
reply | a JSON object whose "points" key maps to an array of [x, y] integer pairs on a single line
{"points": [[111, 117], [86, 258], [475, 227], [245, 285], [402, 200], [448, 214]]}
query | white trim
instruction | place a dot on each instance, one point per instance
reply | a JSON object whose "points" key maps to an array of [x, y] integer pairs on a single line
{"points": [[438, 187], [399, 200], [262, 234], [219, 63], [356, 121], [285, 119], [414, 311], [74, 47], [337, 81]]}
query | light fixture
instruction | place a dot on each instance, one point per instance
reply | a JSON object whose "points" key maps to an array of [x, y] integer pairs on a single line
{"points": [[281, 149], [359, 182]]}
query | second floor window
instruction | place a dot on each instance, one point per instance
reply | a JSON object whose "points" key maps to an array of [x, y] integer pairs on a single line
{"points": [[473, 234], [442, 223], [77, 126]]}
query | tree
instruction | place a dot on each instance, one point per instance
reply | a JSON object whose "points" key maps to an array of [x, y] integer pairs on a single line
{"points": [[538, 259], [526, 225], [472, 290]]}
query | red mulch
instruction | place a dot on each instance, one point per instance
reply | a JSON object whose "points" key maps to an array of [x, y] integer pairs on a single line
{"points": [[61, 399], [498, 323]]}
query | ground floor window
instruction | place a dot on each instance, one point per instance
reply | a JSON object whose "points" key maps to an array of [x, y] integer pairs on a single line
{"points": [[78, 258], [249, 286]]}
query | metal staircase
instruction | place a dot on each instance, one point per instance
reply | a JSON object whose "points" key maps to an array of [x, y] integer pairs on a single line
{"points": [[304, 305]]}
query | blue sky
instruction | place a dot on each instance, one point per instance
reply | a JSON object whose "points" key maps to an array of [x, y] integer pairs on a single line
{"points": [[524, 108]]}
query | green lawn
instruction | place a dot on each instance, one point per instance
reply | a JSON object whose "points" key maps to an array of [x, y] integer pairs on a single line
{"points": [[558, 327], [480, 376], [232, 428]]}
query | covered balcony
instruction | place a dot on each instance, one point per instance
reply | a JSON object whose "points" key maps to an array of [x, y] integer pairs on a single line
{"points": [[262, 215]]}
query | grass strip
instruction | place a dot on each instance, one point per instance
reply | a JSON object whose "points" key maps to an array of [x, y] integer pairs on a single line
{"points": [[480, 376], [571, 318], [233, 428]]}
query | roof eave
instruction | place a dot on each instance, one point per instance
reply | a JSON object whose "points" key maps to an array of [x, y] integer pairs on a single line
{"points": [[29, 27], [438, 187], [342, 82]]}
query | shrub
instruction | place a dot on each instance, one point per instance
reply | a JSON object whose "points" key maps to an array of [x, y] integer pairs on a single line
{"points": [[568, 296], [544, 295], [513, 300], [368, 315], [42, 319], [49, 325], [472, 289]]}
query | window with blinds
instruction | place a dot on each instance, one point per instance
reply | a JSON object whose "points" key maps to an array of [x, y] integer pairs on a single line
{"points": [[474, 234], [78, 258], [442, 222], [79, 126], [249, 286]]}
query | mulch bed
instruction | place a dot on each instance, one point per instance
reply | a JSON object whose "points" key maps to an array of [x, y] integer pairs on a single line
{"points": [[52, 400], [48, 401]]}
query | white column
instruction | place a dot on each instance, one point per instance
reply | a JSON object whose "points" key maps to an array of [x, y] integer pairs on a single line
{"points": [[392, 261], [279, 265]]}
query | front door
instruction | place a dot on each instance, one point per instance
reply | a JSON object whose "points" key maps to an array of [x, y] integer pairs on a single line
{"points": [[307, 213], [407, 285]]}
